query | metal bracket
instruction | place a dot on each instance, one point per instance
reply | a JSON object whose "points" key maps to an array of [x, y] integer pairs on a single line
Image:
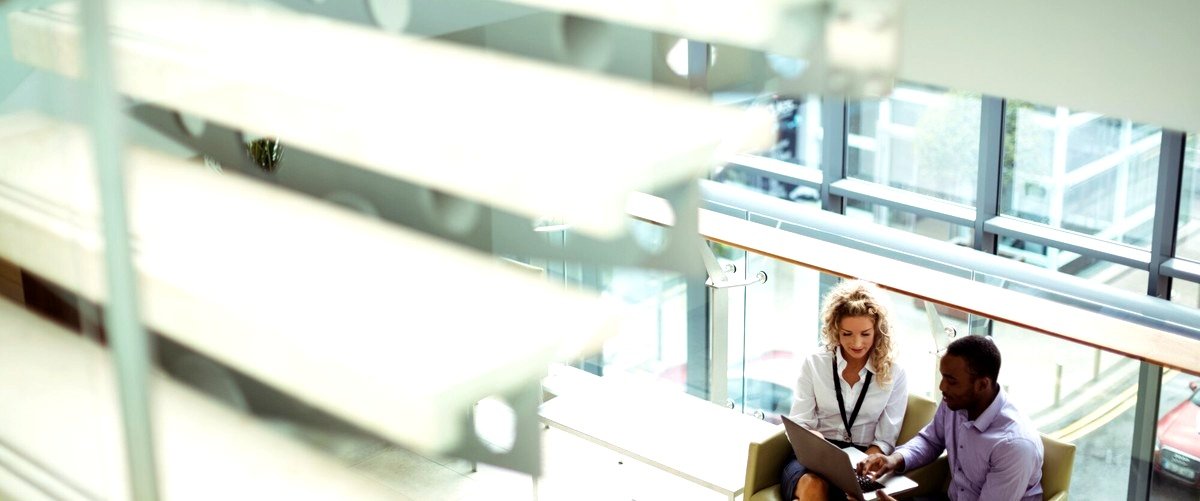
{"points": [[717, 275], [759, 278], [942, 336]]}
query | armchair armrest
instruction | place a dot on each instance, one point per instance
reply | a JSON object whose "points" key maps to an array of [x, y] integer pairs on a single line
{"points": [[763, 464]]}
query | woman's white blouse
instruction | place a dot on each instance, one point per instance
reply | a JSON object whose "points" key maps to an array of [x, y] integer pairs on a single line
{"points": [[815, 404]]}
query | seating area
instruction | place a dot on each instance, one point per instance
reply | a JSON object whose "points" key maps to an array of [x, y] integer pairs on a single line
{"points": [[765, 460]]}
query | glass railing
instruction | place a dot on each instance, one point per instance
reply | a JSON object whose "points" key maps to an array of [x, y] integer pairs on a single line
{"points": [[1076, 385]]}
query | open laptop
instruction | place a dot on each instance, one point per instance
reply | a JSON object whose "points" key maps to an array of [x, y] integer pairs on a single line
{"points": [[838, 465]]}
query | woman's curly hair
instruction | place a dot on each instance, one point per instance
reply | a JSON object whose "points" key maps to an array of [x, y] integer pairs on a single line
{"points": [[857, 298]]}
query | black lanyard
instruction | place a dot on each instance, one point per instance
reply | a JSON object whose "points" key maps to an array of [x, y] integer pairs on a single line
{"points": [[837, 386]]}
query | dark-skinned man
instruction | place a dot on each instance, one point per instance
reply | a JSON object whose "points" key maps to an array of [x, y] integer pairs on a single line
{"points": [[995, 453]]}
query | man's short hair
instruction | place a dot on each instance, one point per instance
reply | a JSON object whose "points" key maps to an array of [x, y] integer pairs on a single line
{"points": [[980, 353]]}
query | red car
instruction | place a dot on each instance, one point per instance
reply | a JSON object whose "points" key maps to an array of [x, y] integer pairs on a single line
{"points": [[1177, 452]]}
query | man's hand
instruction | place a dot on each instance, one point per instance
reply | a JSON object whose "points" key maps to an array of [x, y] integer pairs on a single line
{"points": [[882, 496], [878, 464]]}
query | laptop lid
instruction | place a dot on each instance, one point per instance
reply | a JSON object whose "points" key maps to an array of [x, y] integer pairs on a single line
{"points": [[822, 457], [836, 465]]}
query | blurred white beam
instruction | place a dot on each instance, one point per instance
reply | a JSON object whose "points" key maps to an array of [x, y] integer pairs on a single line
{"points": [[62, 427], [438, 17], [509, 133], [392, 330], [1135, 60], [788, 27]]}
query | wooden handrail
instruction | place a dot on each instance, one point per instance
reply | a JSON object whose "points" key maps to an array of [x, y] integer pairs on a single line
{"points": [[1038, 314]]}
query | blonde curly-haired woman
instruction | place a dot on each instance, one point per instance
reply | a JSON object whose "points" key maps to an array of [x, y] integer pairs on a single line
{"points": [[851, 392]]}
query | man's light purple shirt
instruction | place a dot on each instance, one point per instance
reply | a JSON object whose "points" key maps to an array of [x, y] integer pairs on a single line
{"points": [[996, 456]]}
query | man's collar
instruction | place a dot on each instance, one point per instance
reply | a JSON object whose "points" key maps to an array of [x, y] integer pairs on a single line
{"points": [[984, 421]]}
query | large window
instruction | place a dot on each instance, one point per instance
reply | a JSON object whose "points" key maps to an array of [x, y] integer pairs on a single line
{"points": [[1070, 391], [1077, 394], [908, 221], [1189, 201], [1097, 270], [919, 138], [796, 150], [1185, 293], [1076, 172], [799, 136], [653, 336], [1080, 171]]}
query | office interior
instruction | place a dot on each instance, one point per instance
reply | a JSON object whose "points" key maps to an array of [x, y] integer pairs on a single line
{"points": [[500, 249]]}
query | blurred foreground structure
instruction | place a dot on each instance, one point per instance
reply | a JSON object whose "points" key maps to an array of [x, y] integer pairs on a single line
{"points": [[229, 226]]}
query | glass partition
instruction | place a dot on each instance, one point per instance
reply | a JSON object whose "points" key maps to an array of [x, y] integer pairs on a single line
{"points": [[781, 328], [769, 185], [800, 132], [652, 342], [1188, 235], [1070, 391], [1080, 171], [1075, 394], [1096, 270], [1185, 293], [797, 148], [920, 138], [931, 227]]}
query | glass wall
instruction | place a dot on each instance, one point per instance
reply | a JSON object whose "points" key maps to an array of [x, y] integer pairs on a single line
{"points": [[799, 137], [780, 330], [914, 223], [653, 336], [1076, 394], [769, 185], [1072, 263], [919, 138], [1070, 391], [797, 148], [1188, 235], [1080, 171], [1071, 170], [1185, 293]]}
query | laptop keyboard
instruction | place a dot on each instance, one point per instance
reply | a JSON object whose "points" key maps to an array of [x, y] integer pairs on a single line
{"points": [[867, 484]]}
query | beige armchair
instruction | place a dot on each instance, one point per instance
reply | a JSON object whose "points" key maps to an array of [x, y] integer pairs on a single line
{"points": [[1058, 462], [766, 458]]}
